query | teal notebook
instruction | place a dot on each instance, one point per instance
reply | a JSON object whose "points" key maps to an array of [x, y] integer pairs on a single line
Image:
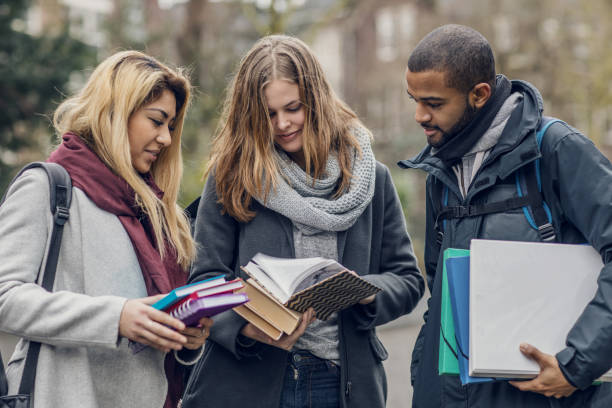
{"points": [[447, 358], [179, 293]]}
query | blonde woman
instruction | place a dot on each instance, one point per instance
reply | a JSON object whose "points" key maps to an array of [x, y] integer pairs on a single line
{"points": [[126, 242], [292, 175]]}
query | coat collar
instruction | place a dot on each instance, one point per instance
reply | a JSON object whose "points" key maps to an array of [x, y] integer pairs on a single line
{"points": [[516, 147]]}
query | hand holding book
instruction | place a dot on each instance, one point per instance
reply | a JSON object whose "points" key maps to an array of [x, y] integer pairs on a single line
{"points": [[146, 326], [320, 283], [189, 306], [196, 336], [286, 341]]}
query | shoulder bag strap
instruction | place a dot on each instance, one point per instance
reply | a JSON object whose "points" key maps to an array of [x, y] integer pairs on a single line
{"points": [[60, 188], [542, 218]]}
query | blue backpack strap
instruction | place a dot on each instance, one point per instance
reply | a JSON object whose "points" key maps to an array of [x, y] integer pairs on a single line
{"points": [[540, 217], [541, 220]]}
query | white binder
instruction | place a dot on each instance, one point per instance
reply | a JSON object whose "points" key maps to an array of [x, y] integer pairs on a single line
{"points": [[525, 292]]}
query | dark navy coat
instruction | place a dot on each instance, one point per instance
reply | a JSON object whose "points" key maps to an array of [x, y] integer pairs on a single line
{"points": [[377, 247], [577, 185]]}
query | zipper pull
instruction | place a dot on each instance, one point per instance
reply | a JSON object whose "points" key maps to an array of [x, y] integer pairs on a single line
{"points": [[347, 391]]}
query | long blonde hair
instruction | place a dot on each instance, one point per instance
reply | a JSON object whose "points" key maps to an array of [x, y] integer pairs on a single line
{"points": [[243, 155], [99, 115]]}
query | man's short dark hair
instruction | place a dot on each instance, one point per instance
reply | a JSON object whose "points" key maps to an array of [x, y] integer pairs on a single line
{"points": [[459, 51]]}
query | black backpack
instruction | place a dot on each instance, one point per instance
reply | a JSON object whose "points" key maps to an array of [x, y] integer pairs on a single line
{"points": [[534, 207], [60, 189]]}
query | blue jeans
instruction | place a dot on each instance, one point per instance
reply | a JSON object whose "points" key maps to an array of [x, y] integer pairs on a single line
{"points": [[310, 382]]}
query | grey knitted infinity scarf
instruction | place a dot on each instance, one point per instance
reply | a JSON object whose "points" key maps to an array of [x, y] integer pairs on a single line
{"points": [[310, 206]]}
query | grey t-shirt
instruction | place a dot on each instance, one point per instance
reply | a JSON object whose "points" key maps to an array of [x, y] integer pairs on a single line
{"points": [[321, 337]]}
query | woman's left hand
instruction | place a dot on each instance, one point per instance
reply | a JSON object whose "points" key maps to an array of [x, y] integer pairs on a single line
{"points": [[196, 336], [367, 300]]}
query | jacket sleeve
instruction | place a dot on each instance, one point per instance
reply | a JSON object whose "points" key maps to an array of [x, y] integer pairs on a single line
{"points": [[398, 274], [582, 178], [216, 234], [61, 318]]}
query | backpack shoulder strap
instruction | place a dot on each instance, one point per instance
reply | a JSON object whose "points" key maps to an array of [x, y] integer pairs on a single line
{"points": [[542, 217], [60, 189], [439, 196]]}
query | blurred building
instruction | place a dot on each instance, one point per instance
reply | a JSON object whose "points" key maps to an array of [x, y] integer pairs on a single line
{"points": [[364, 46]]}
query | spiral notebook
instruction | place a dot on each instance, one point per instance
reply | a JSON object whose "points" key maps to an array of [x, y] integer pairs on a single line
{"points": [[192, 310]]}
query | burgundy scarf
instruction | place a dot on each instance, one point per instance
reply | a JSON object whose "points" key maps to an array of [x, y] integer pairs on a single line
{"points": [[112, 193]]}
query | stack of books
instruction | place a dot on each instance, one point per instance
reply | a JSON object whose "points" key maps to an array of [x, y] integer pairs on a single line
{"points": [[206, 298], [202, 299], [281, 289], [500, 294]]}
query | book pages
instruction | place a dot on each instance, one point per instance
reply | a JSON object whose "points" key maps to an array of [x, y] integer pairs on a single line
{"points": [[288, 273]]}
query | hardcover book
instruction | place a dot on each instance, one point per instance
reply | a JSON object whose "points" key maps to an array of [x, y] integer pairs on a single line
{"points": [[181, 292], [266, 313], [191, 311], [299, 284], [221, 288], [205, 298]]}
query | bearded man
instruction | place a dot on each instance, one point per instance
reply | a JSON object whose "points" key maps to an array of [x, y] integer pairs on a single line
{"points": [[481, 130]]}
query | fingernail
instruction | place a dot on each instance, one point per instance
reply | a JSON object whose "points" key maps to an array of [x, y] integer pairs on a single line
{"points": [[523, 347]]}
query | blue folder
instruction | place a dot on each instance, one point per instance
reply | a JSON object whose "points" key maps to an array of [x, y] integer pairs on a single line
{"points": [[458, 274]]}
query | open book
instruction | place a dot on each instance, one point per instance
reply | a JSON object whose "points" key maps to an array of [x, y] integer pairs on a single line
{"points": [[320, 283]]}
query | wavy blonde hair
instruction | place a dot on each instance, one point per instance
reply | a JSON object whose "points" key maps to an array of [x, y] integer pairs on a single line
{"points": [[99, 114], [243, 155]]}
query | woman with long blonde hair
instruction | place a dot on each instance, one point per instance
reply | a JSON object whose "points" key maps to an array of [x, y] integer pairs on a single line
{"points": [[292, 174], [125, 245]]}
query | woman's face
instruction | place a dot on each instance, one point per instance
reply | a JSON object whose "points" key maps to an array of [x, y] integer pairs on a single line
{"points": [[149, 130], [287, 116]]}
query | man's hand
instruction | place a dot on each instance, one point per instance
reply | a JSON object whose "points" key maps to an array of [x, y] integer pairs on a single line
{"points": [[144, 324], [196, 336], [286, 342], [550, 382]]}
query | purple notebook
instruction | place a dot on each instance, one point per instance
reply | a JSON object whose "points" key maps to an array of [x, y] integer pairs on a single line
{"points": [[193, 310]]}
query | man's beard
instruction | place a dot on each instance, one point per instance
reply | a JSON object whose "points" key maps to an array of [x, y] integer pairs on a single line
{"points": [[468, 114]]}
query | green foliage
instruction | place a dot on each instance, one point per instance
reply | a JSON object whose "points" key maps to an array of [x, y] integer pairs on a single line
{"points": [[33, 72]]}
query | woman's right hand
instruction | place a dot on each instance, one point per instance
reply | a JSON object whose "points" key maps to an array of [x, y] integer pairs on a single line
{"points": [[286, 342], [142, 323]]}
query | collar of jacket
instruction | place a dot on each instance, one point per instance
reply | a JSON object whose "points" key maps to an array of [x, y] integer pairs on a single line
{"points": [[514, 149]]}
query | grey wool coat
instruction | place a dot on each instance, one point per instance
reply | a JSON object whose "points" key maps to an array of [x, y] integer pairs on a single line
{"points": [[377, 247], [82, 362]]}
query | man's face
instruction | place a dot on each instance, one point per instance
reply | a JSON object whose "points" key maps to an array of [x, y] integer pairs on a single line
{"points": [[441, 111]]}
